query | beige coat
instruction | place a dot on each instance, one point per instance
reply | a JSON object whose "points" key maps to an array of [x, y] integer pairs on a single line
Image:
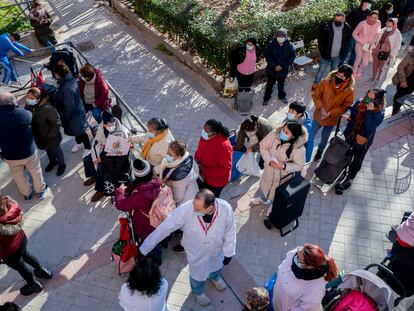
{"points": [[271, 148], [404, 69], [158, 150]]}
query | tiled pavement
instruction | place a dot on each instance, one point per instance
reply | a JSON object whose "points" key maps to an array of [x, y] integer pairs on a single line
{"points": [[73, 236]]}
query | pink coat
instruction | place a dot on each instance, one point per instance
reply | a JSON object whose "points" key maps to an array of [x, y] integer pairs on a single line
{"points": [[405, 231], [102, 100], [366, 34]]}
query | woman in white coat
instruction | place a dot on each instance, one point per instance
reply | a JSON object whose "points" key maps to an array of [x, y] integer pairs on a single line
{"points": [[283, 152], [155, 142], [301, 279], [209, 239]]}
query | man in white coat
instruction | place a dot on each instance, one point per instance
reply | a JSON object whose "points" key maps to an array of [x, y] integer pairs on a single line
{"points": [[209, 239]]}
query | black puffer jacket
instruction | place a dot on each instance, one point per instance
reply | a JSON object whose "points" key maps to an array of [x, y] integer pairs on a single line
{"points": [[325, 39]]}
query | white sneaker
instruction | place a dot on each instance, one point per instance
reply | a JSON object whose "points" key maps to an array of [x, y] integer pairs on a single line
{"points": [[15, 83], [219, 284], [202, 299], [259, 200], [76, 147]]}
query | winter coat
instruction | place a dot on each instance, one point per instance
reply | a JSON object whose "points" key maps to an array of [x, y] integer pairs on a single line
{"points": [[325, 40], [270, 149], [11, 233], [158, 149], [45, 125], [102, 99], [356, 16], [41, 30], [334, 102], [279, 55], [384, 16], [238, 55], [370, 124], [404, 70], [139, 202], [214, 160], [70, 107], [291, 293], [395, 42], [16, 136], [182, 180], [366, 34], [263, 128]]}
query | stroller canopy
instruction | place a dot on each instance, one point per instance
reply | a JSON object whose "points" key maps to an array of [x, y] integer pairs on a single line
{"points": [[372, 285]]}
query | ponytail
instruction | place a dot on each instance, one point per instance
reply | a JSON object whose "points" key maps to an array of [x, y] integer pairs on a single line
{"points": [[217, 127], [332, 270]]}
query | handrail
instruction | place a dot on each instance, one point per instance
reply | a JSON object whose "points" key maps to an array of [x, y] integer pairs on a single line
{"points": [[15, 4]]}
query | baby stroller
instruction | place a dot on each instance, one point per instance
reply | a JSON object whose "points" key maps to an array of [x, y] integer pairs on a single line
{"points": [[363, 290], [334, 164]]}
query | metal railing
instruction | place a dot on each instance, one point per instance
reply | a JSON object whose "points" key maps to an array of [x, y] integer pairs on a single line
{"points": [[24, 6]]}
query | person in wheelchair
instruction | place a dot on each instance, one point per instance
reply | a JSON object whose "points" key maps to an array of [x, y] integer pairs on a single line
{"points": [[108, 163]]}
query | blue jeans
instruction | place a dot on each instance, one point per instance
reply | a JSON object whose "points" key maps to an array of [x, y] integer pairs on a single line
{"points": [[326, 132], [197, 287], [97, 114], [97, 173], [326, 66], [9, 73]]}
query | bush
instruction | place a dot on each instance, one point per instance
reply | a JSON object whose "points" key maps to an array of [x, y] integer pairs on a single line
{"points": [[213, 35], [12, 21]]}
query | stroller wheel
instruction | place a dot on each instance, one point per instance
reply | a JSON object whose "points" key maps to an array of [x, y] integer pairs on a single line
{"points": [[339, 190]]}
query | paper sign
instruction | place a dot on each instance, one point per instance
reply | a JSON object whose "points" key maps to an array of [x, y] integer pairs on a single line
{"points": [[116, 146]]}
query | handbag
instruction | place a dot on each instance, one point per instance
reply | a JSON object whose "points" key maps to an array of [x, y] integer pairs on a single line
{"points": [[383, 55]]}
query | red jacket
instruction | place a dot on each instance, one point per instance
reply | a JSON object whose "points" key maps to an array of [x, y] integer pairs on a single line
{"points": [[140, 201], [9, 244], [101, 91], [214, 159]]}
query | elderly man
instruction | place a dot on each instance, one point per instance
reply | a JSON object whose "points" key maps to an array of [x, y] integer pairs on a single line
{"points": [[209, 239], [18, 148]]}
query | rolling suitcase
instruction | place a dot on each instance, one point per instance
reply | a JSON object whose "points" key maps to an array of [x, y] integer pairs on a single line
{"points": [[288, 203], [244, 101]]}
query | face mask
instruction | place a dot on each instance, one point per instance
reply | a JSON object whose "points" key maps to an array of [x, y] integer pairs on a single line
{"points": [[338, 24], [150, 135], [283, 136], [338, 80], [367, 100], [250, 134], [169, 158], [249, 47], [281, 39], [199, 214], [296, 261], [32, 102], [390, 11], [388, 29], [204, 135], [111, 128], [91, 81], [290, 116], [369, 6]]}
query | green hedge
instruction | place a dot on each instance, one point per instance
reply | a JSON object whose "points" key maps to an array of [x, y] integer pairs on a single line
{"points": [[212, 36], [12, 22]]}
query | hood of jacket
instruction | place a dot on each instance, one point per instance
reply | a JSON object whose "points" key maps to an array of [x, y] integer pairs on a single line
{"points": [[149, 190], [301, 141], [351, 81], [13, 216], [182, 171]]}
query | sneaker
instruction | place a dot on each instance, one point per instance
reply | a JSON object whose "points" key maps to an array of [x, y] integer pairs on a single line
{"points": [[284, 100], [346, 184], [89, 182], [76, 147], [219, 284], [265, 102], [41, 195], [28, 198], [97, 196], [28, 290], [43, 273], [178, 248], [259, 200], [318, 155], [202, 299], [61, 170], [50, 166], [15, 83], [268, 224]]}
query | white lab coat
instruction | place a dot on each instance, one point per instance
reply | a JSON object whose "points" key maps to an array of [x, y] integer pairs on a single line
{"points": [[205, 253]]}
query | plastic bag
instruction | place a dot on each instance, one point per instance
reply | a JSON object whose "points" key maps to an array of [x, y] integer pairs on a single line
{"points": [[230, 87], [248, 165]]}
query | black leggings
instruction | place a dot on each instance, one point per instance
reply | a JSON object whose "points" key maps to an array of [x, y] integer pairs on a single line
{"points": [[18, 260], [215, 190], [84, 139]]}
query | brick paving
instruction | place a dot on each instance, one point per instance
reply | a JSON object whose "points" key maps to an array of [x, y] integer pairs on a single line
{"points": [[73, 236]]}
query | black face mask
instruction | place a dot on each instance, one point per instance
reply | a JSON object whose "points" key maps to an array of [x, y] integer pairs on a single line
{"points": [[339, 80], [308, 274], [338, 24]]}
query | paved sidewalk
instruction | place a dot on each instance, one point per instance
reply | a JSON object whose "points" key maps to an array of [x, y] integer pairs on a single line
{"points": [[73, 236]]}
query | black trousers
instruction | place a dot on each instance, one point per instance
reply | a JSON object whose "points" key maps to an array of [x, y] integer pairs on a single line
{"points": [[216, 190], [18, 260], [245, 82], [401, 91], [358, 155], [84, 139], [271, 81]]}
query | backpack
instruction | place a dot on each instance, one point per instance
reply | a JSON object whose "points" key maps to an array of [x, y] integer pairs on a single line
{"points": [[124, 250], [162, 206], [68, 56]]}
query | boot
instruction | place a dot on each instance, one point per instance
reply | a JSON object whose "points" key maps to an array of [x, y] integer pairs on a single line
{"points": [[30, 289]]}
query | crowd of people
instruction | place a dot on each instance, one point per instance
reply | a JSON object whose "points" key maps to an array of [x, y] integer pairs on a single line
{"points": [[81, 106]]}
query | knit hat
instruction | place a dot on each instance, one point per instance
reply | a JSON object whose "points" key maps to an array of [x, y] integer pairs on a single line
{"points": [[257, 299], [141, 168], [282, 32], [107, 117]]}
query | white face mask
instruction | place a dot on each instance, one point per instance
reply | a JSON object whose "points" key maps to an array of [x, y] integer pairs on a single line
{"points": [[249, 47], [111, 128], [388, 29], [390, 11], [250, 134], [369, 6], [32, 102], [281, 39]]}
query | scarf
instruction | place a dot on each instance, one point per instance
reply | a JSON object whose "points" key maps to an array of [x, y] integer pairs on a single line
{"points": [[342, 86], [146, 150], [165, 165], [308, 274], [359, 120]]}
